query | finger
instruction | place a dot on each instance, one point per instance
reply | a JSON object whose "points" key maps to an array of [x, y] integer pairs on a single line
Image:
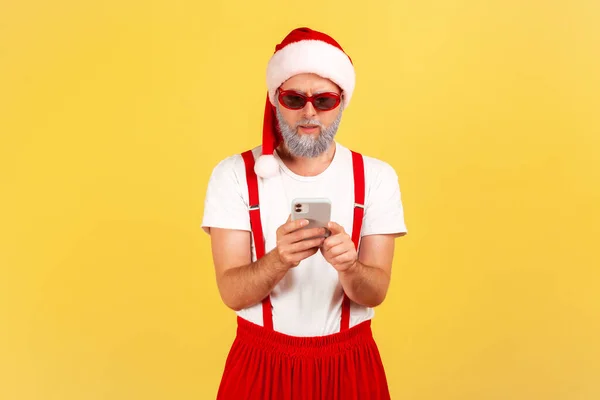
{"points": [[303, 245], [304, 234], [343, 258], [338, 250], [335, 228], [291, 226], [296, 258], [304, 254], [332, 241]]}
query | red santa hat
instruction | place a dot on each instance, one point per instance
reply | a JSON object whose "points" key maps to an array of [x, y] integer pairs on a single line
{"points": [[302, 51]]}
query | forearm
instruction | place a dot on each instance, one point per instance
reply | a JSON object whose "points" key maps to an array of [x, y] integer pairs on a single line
{"points": [[247, 285], [365, 285]]}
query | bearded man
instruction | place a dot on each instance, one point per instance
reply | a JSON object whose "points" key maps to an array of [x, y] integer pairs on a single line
{"points": [[304, 297]]}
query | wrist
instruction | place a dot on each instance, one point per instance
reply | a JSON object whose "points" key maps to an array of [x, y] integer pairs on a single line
{"points": [[275, 263], [351, 269]]}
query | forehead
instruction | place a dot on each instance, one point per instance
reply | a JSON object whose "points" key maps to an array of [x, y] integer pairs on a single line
{"points": [[309, 83]]}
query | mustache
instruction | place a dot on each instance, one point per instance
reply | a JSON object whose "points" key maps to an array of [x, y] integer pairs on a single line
{"points": [[308, 122]]}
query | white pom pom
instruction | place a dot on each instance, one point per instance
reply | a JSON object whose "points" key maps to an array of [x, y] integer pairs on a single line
{"points": [[266, 166]]}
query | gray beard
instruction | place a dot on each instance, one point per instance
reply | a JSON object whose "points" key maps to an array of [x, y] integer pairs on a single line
{"points": [[305, 145]]}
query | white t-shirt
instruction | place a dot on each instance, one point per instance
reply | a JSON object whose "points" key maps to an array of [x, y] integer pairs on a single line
{"points": [[308, 300]]}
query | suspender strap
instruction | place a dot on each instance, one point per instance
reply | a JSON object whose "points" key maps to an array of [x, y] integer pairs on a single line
{"points": [[257, 232], [256, 225], [359, 210], [359, 196]]}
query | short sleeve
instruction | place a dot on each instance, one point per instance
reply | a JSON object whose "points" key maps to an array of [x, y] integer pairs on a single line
{"points": [[384, 212], [226, 204]]}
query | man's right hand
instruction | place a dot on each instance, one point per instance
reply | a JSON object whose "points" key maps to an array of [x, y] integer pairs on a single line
{"points": [[293, 245]]}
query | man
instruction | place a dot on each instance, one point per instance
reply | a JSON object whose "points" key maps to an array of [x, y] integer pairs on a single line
{"points": [[303, 304]]}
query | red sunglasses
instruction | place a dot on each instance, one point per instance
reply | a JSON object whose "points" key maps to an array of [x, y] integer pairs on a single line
{"points": [[296, 101]]}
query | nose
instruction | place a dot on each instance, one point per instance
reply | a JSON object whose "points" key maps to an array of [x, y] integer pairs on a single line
{"points": [[309, 111]]}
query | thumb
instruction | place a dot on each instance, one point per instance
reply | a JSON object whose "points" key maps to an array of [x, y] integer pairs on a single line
{"points": [[335, 228]]}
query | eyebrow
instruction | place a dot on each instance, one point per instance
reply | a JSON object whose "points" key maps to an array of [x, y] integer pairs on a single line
{"points": [[314, 93]]}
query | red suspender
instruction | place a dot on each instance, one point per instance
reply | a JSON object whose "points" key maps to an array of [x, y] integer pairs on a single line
{"points": [[359, 196], [257, 232], [359, 210]]}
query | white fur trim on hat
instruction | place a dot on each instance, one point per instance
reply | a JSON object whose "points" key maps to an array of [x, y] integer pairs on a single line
{"points": [[266, 166], [311, 56]]}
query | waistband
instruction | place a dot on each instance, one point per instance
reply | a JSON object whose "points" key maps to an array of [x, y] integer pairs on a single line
{"points": [[313, 346]]}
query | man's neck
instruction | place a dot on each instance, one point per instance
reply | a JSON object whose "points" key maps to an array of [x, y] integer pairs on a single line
{"points": [[305, 166]]}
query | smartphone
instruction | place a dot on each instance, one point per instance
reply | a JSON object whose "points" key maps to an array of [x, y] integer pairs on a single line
{"points": [[316, 210]]}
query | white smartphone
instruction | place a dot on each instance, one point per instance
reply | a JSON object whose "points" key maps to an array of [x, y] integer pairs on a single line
{"points": [[316, 210]]}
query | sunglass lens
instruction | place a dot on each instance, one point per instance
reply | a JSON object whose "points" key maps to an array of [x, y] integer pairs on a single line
{"points": [[326, 102], [293, 101]]}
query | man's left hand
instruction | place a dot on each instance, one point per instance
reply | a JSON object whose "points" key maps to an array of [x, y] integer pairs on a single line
{"points": [[338, 249]]}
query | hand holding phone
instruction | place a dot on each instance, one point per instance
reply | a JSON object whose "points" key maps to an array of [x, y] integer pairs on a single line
{"points": [[296, 242], [316, 210]]}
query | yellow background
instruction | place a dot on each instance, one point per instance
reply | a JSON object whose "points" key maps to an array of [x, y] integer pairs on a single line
{"points": [[113, 114]]}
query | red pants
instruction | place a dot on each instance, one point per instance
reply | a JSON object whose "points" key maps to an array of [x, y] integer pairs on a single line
{"points": [[268, 365]]}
